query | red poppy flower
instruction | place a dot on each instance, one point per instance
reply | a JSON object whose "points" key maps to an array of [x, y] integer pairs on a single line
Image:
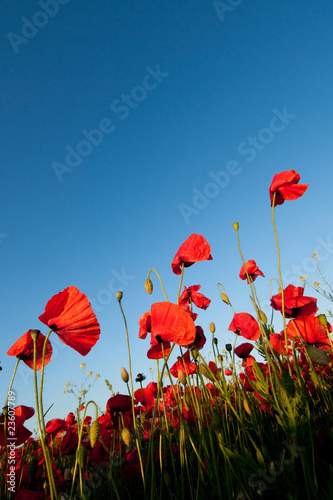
{"points": [[21, 433], [286, 187], [252, 270], [145, 324], [55, 425], [194, 249], [309, 329], [245, 325], [171, 323], [294, 302], [243, 350], [144, 396], [200, 338], [155, 351], [190, 295], [70, 315], [183, 363], [24, 349], [119, 402]]}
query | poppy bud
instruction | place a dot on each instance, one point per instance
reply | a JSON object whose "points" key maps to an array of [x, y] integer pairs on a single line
{"points": [[83, 454], [149, 286], [262, 316], [126, 436], [323, 320], [212, 327], [318, 356], [119, 296], [235, 226], [94, 433], [215, 340], [206, 372], [181, 377], [124, 375], [225, 298], [247, 407], [194, 353], [228, 347], [67, 475]]}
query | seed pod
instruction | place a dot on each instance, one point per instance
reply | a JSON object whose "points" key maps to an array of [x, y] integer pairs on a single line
{"points": [[149, 286], [94, 433], [119, 296], [235, 226]]}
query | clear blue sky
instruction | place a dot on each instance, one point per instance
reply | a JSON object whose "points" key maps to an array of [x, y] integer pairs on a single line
{"points": [[127, 126]]}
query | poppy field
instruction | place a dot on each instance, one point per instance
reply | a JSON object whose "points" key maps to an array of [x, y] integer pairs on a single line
{"points": [[203, 430]]}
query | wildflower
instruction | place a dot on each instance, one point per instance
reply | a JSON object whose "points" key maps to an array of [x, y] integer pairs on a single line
{"points": [[70, 315], [245, 325], [252, 269], [168, 323], [310, 329], [24, 349], [120, 402], [183, 364], [294, 302], [286, 187], [190, 295], [243, 350], [194, 249]]}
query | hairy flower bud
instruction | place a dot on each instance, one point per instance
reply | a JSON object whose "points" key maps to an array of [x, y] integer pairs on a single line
{"points": [[181, 377], [149, 286], [94, 433], [126, 436], [225, 299], [124, 375], [212, 327]]}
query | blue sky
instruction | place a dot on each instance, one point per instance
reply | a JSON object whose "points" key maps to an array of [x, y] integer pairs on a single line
{"points": [[126, 128]]}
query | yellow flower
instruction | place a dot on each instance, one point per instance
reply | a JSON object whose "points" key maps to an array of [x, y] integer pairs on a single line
{"points": [[89, 374], [82, 365]]}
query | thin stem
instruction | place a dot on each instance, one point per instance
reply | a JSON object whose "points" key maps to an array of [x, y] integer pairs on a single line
{"points": [[180, 283]]}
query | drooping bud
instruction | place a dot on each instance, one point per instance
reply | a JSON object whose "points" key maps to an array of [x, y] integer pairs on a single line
{"points": [[212, 327], [149, 286], [94, 433], [119, 296], [225, 299], [247, 407], [126, 436], [181, 377], [262, 316], [124, 375], [235, 226]]}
